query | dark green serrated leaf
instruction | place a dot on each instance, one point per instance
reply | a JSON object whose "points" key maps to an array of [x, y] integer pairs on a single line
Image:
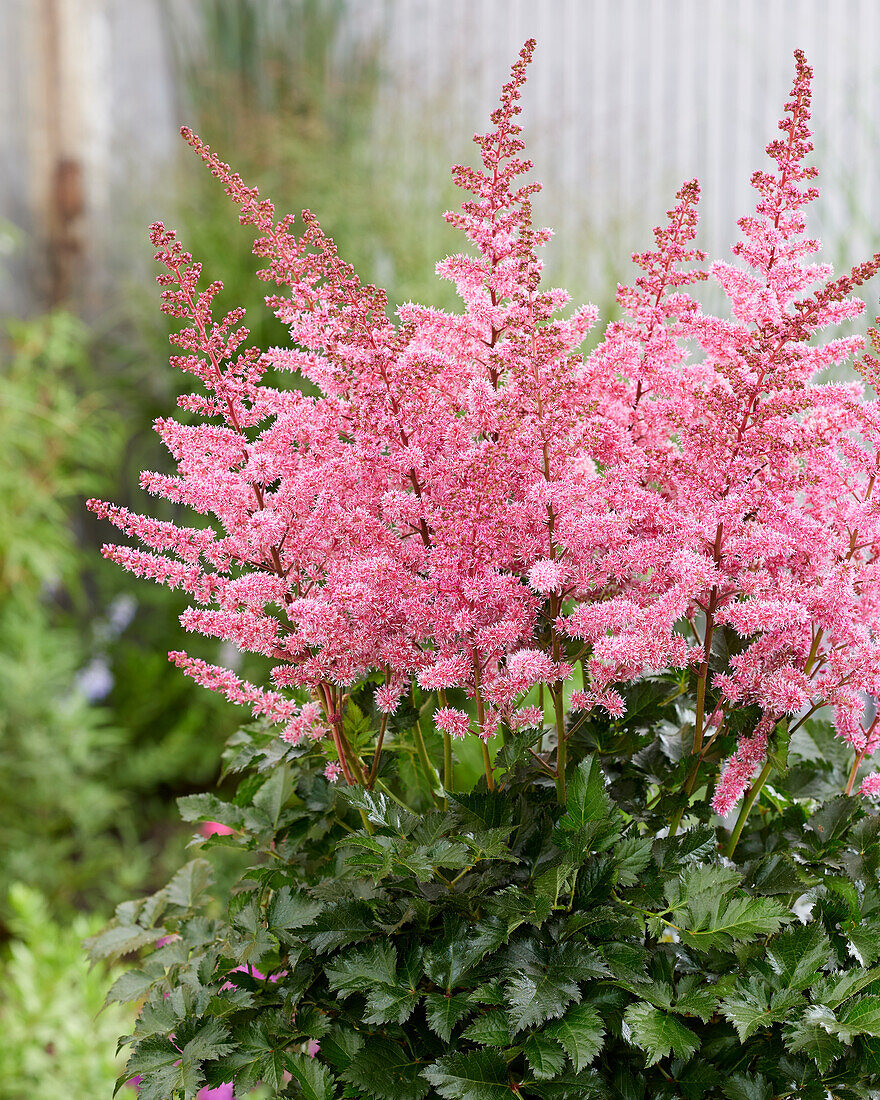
{"points": [[119, 940], [360, 968], [631, 856], [208, 807], [383, 1070], [658, 1033], [445, 1012], [477, 1075], [752, 1008], [544, 1056], [490, 1030], [581, 1033], [289, 910], [190, 883], [798, 954], [809, 1035], [861, 1017], [130, 986], [742, 1086], [314, 1079], [340, 924]]}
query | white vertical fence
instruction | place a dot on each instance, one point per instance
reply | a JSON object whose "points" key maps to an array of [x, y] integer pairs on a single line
{"points": [[627, 98]]}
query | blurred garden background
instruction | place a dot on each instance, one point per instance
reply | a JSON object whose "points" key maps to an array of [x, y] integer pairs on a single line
{"points": [[355, 109]]}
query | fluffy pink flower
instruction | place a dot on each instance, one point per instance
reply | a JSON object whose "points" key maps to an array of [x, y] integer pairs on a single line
{"points": [[332, 771], [527, 718], [871, 785], [454, 722], [547, 576]]}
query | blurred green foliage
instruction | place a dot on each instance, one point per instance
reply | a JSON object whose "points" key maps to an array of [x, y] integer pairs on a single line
{"points": [[54, 1042]]}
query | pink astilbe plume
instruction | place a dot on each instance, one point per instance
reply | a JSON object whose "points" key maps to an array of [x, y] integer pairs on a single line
{"points": [[470, 505]]}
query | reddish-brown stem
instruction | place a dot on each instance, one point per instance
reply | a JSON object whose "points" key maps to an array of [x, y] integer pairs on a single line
{"points": [[481, 719]]}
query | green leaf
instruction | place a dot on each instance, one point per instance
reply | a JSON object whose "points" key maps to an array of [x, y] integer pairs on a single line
{"points": [[477, 1075], [460, 948], [590, 819], [339, 924], [742, 1086], [341, 1046], [751, 1006], [489, 809], [130, 986], [581, 1034], [120, 939], [490, 1030], [314, 1079], [777, 873], [271, 798], [359, 969], [380, 810], [190, 883], [544, 982], [658, 1034], [165, 1069], [258, 1053], [706, 916], [798, 954], [779, 741], [444, 1012], [208, 807], [208, 1042], [862, 1017], [289, 910], [249, 940], [544, 1056], [834, 989], [671, 853], [383, 1070], [579, 1086], [699, 1002], [533, 1000], [810, 1035], [631, 856]]}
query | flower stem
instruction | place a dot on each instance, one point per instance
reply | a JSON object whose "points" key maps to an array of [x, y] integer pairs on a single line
{"points": [[561, 744], [374, 770], [857, 763], [481, 720], [448, 767], [428, 768], [746, 808]]}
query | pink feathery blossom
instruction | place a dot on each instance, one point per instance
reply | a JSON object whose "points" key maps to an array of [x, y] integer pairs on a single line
{"points": [[454, 722], [465, 501], [547, 576], [527, 718], [738, 772], [871, 785]]}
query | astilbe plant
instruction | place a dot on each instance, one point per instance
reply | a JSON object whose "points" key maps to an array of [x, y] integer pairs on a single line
{"points": [[662, 556]]}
